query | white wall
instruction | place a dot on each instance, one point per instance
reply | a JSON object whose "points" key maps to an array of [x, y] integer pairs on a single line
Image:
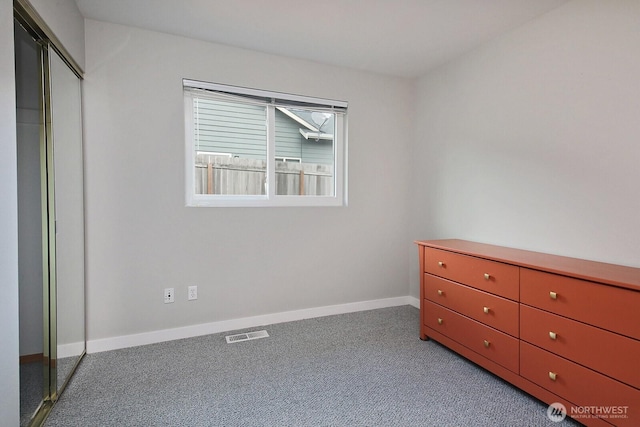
{"points": [[9, 378], [246, 261], [65, 20], [531, 141]]}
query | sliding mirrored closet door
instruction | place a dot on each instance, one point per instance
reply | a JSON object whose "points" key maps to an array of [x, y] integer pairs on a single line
{"points": [[68, 216], [31, 265], [51, 211]]}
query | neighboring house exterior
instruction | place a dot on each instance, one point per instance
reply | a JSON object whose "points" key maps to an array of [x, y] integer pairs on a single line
{"points": [[230, 140], [238, 130]]}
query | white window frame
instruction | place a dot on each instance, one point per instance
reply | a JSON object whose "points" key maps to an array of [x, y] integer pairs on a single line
{"points": [[339, 197]]}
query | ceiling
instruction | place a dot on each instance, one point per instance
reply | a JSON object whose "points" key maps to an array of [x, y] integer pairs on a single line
{"points": [[405, 38]]}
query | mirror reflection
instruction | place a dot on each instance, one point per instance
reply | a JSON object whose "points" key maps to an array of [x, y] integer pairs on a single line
{"points": [[51, 221], [30, 218], [66, 132]]}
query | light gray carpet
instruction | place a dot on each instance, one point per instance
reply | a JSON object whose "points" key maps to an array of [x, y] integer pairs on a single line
{"points": [[64, 368], [31, 390], [32, 385], [359, 369]]}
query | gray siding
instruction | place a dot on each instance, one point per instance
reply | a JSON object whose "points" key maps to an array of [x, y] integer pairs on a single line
{"points": [[240, 130], [224, 127], [290, 143], [287, 137], [320, 152]]}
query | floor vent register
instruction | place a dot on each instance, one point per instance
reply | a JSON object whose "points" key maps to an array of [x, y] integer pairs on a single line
{"points": [[246, 336]]}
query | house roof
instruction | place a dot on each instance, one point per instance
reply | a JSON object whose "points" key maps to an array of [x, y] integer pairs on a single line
{"points": [[316, 125]]}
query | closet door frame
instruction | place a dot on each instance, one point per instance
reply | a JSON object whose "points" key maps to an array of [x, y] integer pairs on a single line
{"points": [[48, 44]]}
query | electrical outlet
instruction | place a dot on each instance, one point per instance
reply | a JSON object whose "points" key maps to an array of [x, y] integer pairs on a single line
{"points": [[193, 293], [169, 295]]}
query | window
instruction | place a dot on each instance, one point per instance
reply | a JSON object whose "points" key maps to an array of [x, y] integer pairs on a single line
{"points": [[249, 147]]}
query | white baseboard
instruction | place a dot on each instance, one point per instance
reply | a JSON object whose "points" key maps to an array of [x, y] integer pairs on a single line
{"points": [[70, 350], [413, 301], [114, 343]]}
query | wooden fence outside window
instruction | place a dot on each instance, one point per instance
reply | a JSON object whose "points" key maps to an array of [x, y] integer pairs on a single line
{"points": [[243, 176]]}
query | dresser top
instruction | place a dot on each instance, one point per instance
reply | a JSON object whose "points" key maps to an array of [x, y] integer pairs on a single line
{"points": [[612, 274]]}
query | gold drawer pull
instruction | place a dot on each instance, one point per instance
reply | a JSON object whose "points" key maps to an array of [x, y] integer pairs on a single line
{"points": [[553, 295], [553, 375], [487, 343], [486, 310], [441, 264], [553, 335], [487, 276], [440, 292], [439, 321]]}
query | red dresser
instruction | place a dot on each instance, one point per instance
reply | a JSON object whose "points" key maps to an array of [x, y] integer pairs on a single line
{"points": [[562, 329]]}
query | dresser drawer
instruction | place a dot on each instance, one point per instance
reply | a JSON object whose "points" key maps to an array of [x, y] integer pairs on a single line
{"points": [[490, 276], [579, 385], [611, 354], [490, 343], [497, 312], [607, 307]]}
